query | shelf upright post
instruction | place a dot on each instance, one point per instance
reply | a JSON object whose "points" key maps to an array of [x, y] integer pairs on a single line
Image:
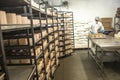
{"points": [[53, 38], [4, 64], [28, 32], [54, 33], [73, 31], [64, 33], [114, 23], [32, 30], [58, 30], [42, 42], [29, 46], [46, 17]]}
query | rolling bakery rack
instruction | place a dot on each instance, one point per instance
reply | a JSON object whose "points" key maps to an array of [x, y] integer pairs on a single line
{"points": [[66, 33]]}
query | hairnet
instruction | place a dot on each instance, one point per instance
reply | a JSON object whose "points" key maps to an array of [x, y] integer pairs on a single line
{"points": [[97, 18]]}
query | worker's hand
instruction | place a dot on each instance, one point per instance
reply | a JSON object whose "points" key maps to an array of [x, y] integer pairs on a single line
{"points": [[92, 32], [101, 30]]}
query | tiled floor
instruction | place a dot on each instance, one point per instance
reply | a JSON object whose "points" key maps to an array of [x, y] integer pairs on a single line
{"points": [[80, 67]]}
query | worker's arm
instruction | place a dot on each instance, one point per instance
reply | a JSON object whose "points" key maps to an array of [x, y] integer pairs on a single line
{"points": [[90, 28], [101, 28]]}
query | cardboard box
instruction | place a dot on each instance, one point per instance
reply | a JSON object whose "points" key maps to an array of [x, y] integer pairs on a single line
{"points": [[5, 42], [23, 41], [118, 15], [19, 61], [24, 61], [118, 9], [118, 12], [107, 24], [108, 28], [14, 61], [106, 19]]}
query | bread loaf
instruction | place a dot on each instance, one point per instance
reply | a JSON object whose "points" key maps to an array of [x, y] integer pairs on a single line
{"points": [[3, 19], [25, 20], [11, 18], [19, 19]]}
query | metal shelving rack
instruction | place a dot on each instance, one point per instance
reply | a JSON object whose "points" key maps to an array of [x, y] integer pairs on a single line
{"points": [[52, 42], [61, 35], [67, 39], [116, 24], [32, 51], [55, 51], [27, 51]]}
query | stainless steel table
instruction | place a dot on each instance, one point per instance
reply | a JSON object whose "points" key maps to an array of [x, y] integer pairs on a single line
{"points": [[101, 45]]}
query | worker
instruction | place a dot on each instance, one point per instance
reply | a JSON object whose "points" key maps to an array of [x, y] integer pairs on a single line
{"points": [[96, 26]]}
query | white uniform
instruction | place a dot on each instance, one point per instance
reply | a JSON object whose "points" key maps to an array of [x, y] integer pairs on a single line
{"points": [[95, 26]]}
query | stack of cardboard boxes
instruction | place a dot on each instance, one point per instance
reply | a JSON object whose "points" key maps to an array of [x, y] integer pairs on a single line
{"points": [[107, 23], [118, 12]]}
